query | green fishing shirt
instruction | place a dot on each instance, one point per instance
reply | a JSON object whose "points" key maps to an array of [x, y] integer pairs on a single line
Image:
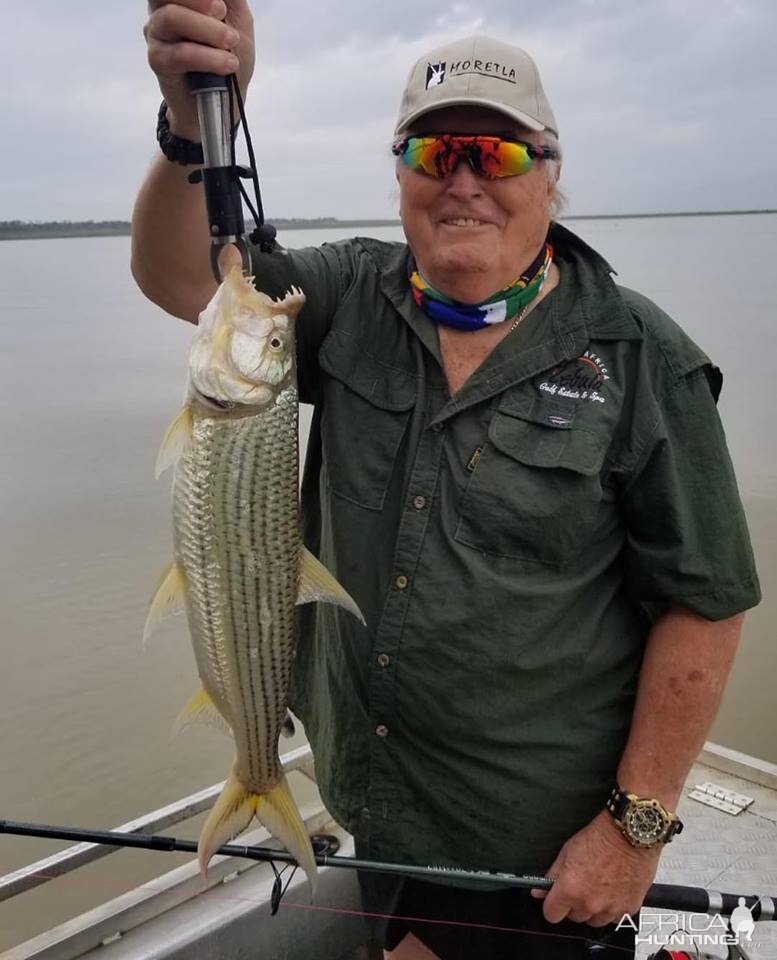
{"points": [[509, 547]]}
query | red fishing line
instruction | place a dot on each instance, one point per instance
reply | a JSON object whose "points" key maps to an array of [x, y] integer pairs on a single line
{"points": [[227, 898]]}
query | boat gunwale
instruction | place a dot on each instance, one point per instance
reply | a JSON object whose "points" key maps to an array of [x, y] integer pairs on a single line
{"points": [[739, 764], [78, 855]]}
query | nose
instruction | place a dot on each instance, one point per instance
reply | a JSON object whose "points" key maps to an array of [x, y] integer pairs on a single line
{"points": [[463, 182]]}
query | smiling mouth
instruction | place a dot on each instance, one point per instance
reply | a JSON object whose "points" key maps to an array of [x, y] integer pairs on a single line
{"points": [[464, 222]]}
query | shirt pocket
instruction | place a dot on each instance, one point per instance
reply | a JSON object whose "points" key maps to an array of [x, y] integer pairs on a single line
{"points": [[535, 491], [366, 410]]}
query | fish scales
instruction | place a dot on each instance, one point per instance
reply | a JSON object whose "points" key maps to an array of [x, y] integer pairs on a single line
{"points": [[194, 526], [238, 541], [240, 567]]}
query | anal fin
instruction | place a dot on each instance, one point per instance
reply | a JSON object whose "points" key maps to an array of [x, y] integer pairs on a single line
{"points": [[201, 709]]}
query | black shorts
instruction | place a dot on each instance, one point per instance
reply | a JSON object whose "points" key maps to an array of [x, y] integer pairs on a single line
{"points": [[459, 924]]}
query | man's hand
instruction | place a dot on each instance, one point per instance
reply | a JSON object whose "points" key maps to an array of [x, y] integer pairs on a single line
{"points": [[213, 36], [598, 876]]}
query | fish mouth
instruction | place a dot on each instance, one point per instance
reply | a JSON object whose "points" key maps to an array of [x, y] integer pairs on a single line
{"points": [[229, 409], [210, 402], [215, 402]]}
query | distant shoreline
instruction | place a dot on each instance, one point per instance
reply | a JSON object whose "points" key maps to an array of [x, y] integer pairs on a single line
{"points": [[21, 230]]}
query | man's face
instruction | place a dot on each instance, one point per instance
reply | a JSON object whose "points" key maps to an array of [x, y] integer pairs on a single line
{"points": [[469, 261]]}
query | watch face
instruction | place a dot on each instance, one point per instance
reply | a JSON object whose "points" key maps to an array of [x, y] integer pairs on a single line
{"points": [[645, 822]]}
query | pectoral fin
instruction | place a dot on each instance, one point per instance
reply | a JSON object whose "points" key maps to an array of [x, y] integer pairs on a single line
{"points": [[317, 583], [201, 709], [168, 599], [176, 441]]}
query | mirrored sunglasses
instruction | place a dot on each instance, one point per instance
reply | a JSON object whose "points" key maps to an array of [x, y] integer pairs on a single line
{"points": [[491, 157]]}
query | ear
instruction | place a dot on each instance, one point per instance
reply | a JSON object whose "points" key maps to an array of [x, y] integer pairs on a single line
{"points": [[552, 185], [399, 192]]}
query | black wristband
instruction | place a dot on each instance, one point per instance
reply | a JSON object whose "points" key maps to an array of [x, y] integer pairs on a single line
{"points": [[176, 149]]}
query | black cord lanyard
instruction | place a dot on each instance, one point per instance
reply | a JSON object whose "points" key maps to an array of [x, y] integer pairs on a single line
{"points": [[263, 234], [221, 176]]}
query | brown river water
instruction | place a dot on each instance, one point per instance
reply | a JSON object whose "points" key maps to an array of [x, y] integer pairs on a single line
{"points": [[90, 375]]}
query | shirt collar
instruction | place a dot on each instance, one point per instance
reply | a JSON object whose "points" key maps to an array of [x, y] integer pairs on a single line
{"points": [[586, 305]]}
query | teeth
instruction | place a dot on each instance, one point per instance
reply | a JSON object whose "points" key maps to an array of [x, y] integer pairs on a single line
{"points": [[464, 222]]}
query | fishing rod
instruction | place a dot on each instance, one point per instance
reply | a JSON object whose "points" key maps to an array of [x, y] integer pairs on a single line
{"points": [[220, 174], [664, 896]]}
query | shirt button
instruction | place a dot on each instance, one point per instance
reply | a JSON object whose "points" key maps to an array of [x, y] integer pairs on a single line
{"points": [[366, 813], [401, 582], [383, 660], [437, 427], [381, 730], [419, 503]]}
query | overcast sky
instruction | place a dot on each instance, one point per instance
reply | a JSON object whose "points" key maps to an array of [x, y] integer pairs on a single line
{"points": [[661, 104]]}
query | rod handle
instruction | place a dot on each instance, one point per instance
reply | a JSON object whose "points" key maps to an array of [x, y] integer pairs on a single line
{"points": [[699, 900]]}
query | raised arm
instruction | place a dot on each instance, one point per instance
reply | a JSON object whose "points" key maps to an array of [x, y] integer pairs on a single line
{"points": [[170, 245]]}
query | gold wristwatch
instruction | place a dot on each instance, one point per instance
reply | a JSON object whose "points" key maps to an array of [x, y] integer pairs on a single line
{"points": [[643, 821]]}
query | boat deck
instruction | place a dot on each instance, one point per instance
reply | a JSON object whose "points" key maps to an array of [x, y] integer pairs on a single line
{"points": [[173, 917], [719, 851]]}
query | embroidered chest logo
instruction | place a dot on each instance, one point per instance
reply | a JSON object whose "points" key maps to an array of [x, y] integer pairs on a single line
{"points": [[580, 379]]}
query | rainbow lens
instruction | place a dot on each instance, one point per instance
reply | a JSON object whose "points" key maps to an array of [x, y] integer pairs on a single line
{"points": [[490, 157], [428, 155], [504, 158]]}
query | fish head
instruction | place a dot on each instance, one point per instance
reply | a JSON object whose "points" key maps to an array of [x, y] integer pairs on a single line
{"points": [[244, 350]]}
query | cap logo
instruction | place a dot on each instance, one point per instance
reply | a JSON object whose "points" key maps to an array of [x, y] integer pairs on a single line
{"points": [[435, 74], [483, 68]]}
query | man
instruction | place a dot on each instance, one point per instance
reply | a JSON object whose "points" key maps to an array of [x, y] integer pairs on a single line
{"points": [[517, 470]]}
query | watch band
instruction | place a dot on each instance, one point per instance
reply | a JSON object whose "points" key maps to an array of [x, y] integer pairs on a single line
{"points": [[176, 149], [617, 802]]}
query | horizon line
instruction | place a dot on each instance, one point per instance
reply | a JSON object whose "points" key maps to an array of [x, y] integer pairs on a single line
{"points": [[68, 229], [375, 219]]}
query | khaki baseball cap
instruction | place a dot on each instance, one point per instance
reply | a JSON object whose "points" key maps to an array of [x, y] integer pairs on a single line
{"points": [[477, 71]]}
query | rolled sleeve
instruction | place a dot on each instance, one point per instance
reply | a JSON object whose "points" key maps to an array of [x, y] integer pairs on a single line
{"points": [[687, 541]]}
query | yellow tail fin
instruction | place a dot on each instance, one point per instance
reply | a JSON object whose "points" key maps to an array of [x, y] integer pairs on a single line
{"points": [[275, 810]]}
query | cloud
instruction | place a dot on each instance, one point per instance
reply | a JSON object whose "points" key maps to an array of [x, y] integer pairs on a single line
{"points": [[661, 105]]}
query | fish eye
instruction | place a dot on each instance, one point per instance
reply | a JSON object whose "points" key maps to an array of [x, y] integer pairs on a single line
{"points": [[275, 343]]}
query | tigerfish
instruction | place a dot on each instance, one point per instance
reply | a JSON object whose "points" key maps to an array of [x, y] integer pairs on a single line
{"points": [[240, 566]]}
